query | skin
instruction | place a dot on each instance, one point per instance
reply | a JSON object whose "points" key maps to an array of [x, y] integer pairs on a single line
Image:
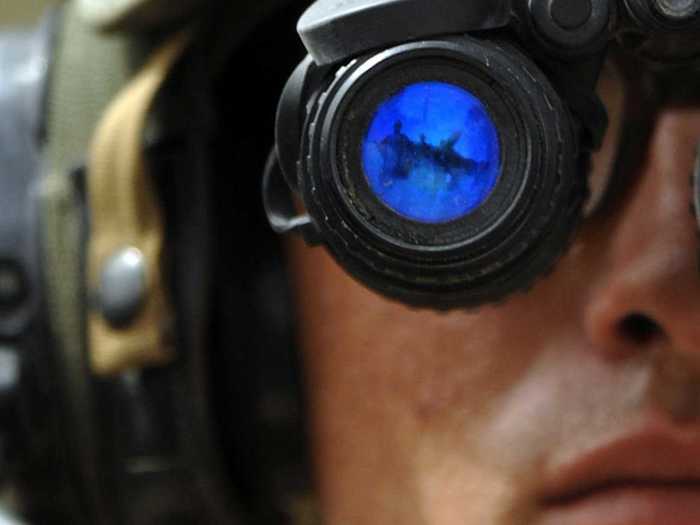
{"points": [[462, 418]]}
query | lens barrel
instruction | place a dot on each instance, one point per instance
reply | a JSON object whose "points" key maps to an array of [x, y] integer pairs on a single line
{"points": [[494, 177], [665, 15]]}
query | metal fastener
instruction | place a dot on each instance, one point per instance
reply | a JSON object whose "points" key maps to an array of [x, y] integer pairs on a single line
{"points": [[122, 291]]}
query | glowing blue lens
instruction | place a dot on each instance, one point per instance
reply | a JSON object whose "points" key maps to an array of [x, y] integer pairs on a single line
{"points": [[432, 152]]}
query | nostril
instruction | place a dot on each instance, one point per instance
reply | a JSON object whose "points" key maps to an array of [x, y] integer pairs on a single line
{"points": [[639, 328]]}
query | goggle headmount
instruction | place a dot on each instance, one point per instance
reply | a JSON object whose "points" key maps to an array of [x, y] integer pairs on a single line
{"points": [[441, 149]]}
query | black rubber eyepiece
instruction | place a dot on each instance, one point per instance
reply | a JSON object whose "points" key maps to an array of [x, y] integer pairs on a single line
{"points": [[363, 169]]}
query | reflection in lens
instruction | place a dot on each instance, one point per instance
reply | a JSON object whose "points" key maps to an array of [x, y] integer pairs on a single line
{"points": [[432, 152]]}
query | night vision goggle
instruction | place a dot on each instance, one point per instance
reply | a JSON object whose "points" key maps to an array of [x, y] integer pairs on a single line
{"points": [[441, 148]]}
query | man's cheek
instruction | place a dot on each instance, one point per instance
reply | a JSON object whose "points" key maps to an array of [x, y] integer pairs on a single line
{"points": [[479, 444], [567, 402], [469, 362], [457, 489]]}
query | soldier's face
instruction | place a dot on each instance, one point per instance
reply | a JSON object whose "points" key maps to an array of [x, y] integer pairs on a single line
{"points": [[575, 404]]}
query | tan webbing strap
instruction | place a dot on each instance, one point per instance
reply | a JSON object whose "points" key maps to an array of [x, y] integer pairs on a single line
{"points": [[125, 213]]}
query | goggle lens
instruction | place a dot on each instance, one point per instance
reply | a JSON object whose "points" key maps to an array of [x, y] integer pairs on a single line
{"points": [[432, 152]]}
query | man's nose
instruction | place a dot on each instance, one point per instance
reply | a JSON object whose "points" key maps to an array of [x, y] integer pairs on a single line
{"points": [[648, 295]]}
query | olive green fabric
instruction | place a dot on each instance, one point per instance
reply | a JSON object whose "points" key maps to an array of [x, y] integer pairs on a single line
{"points": [[22, 12], [136, 15], [89, 69]]}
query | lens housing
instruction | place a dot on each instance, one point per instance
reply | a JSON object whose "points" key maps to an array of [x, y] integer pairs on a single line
{"points": [[503, 245], [666, 16]]}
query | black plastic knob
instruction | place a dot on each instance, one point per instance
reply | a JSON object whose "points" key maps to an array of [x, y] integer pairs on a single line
{"points": [[571, 26]]}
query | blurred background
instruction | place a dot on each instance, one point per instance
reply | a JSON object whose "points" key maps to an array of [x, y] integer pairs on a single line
{"points": [[23, 12], [221, 430]]}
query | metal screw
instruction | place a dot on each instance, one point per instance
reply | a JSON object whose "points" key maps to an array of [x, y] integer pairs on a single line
{"points": [[123, 287]]}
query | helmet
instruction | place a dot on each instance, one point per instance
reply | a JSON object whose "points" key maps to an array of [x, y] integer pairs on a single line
{"points": [[148, 372]]}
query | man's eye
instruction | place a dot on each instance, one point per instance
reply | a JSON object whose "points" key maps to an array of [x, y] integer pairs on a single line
{"points": [[611, 89]]}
